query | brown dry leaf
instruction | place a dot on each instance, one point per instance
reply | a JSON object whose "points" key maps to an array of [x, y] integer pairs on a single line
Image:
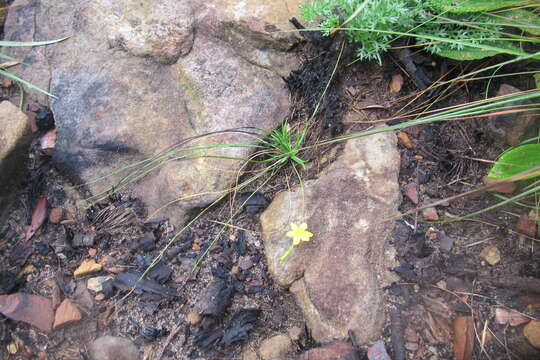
{"points": [[38, 216], [506, 188], [526, 226], [439, 327], [507, 316], [9, 64], [396, 83], [463, 338], [404, 139], [48, 141]]}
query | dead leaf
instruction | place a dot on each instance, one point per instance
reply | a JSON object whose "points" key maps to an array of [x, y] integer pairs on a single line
{"points": [[39, 214], [463, 337], [526, 226], [48, 141], [404, 139], [507, 316], [396, 83], [9, 64]]}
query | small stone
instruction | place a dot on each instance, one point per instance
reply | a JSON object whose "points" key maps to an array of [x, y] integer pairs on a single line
{"points": [[335, 351], [12, 348], [56, 215], [396, 83], [92, 252], [275, 347], [532, 333], [249, 354], [83, 239], [96, 283], [28, 269], [411, 335], [113, 348], [430, 214], [193, 318], [66, 313], [100, 297], [411, 191], [88, 267], [43, 355], [411, 346], [491, 255], [296, 333], [196, 246], [235, 270], [245, 263], [377, 351], [32, 309]]}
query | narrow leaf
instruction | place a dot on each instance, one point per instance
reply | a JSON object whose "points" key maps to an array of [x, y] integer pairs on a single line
{"points": [[26, 83], [31, 43], [522, 19], [39, 214], [466, 6], [516, 160]]}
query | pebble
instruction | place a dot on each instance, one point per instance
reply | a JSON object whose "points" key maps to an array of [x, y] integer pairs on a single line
{"points": [[411, 335], [92, 252], [411, 346], [335, 351], [532, 333], [88, 267], [404, 140], [411, 192], [66, 313], [275, 347], [245, 263], [113, 348], [193, 318], [430, 214], [100, 297], [235, 270], [12, 348], [377, 351], [96, 283], [56, 215], [491, 255]]}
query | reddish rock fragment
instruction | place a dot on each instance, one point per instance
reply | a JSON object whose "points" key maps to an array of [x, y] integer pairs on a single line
{"points": [[513, 318], [526, 226], [411, 191], [66, 313], [32, 309], [336, 351], [396, 83], [430, 214], [39, 214], [377, 351]]}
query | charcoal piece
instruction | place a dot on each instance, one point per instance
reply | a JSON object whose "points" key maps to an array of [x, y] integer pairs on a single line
{"points": [[406, 272], [207, 339], [8, 282], [83, 239], [143, 261], [108, 288], [241, 246], [173, 252], [215, 299], [254, 202], [150, 333], [220, 272], [44, 119], [161, 272], [20, 254], [130, 280], [42, 247], [239, 325], [146, 243]]}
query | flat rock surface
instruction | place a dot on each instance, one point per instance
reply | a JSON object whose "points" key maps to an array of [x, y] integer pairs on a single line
{"points": [[335, 351], [135, 78], [337, 277], [32, 309]]}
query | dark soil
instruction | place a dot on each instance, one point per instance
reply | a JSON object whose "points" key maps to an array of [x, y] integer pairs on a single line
{"points": [[443, 276]]}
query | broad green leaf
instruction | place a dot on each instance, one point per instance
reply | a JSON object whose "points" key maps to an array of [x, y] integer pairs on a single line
{"points": [[516, 160], [466, 6], [522, 19], [479, 51], [24, 82]]}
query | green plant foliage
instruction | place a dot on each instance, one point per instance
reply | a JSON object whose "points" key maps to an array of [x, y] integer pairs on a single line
{"points": [[460, 26], [284, 146], [516, 160], [465, 6]]}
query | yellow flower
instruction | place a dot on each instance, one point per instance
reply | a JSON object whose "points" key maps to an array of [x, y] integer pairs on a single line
{"points": [[299, 233]]}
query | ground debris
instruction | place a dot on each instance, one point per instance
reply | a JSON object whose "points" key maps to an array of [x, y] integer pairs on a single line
{"points": [[215, 299], [130, 280], [239, 325]]}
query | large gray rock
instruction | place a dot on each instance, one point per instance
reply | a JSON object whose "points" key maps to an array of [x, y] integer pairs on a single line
{"points": [[135, 78], [337, 277], [113, 348]]}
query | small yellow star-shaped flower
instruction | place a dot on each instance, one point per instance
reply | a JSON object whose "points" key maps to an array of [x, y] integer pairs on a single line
{"points": [[299, 233]]}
